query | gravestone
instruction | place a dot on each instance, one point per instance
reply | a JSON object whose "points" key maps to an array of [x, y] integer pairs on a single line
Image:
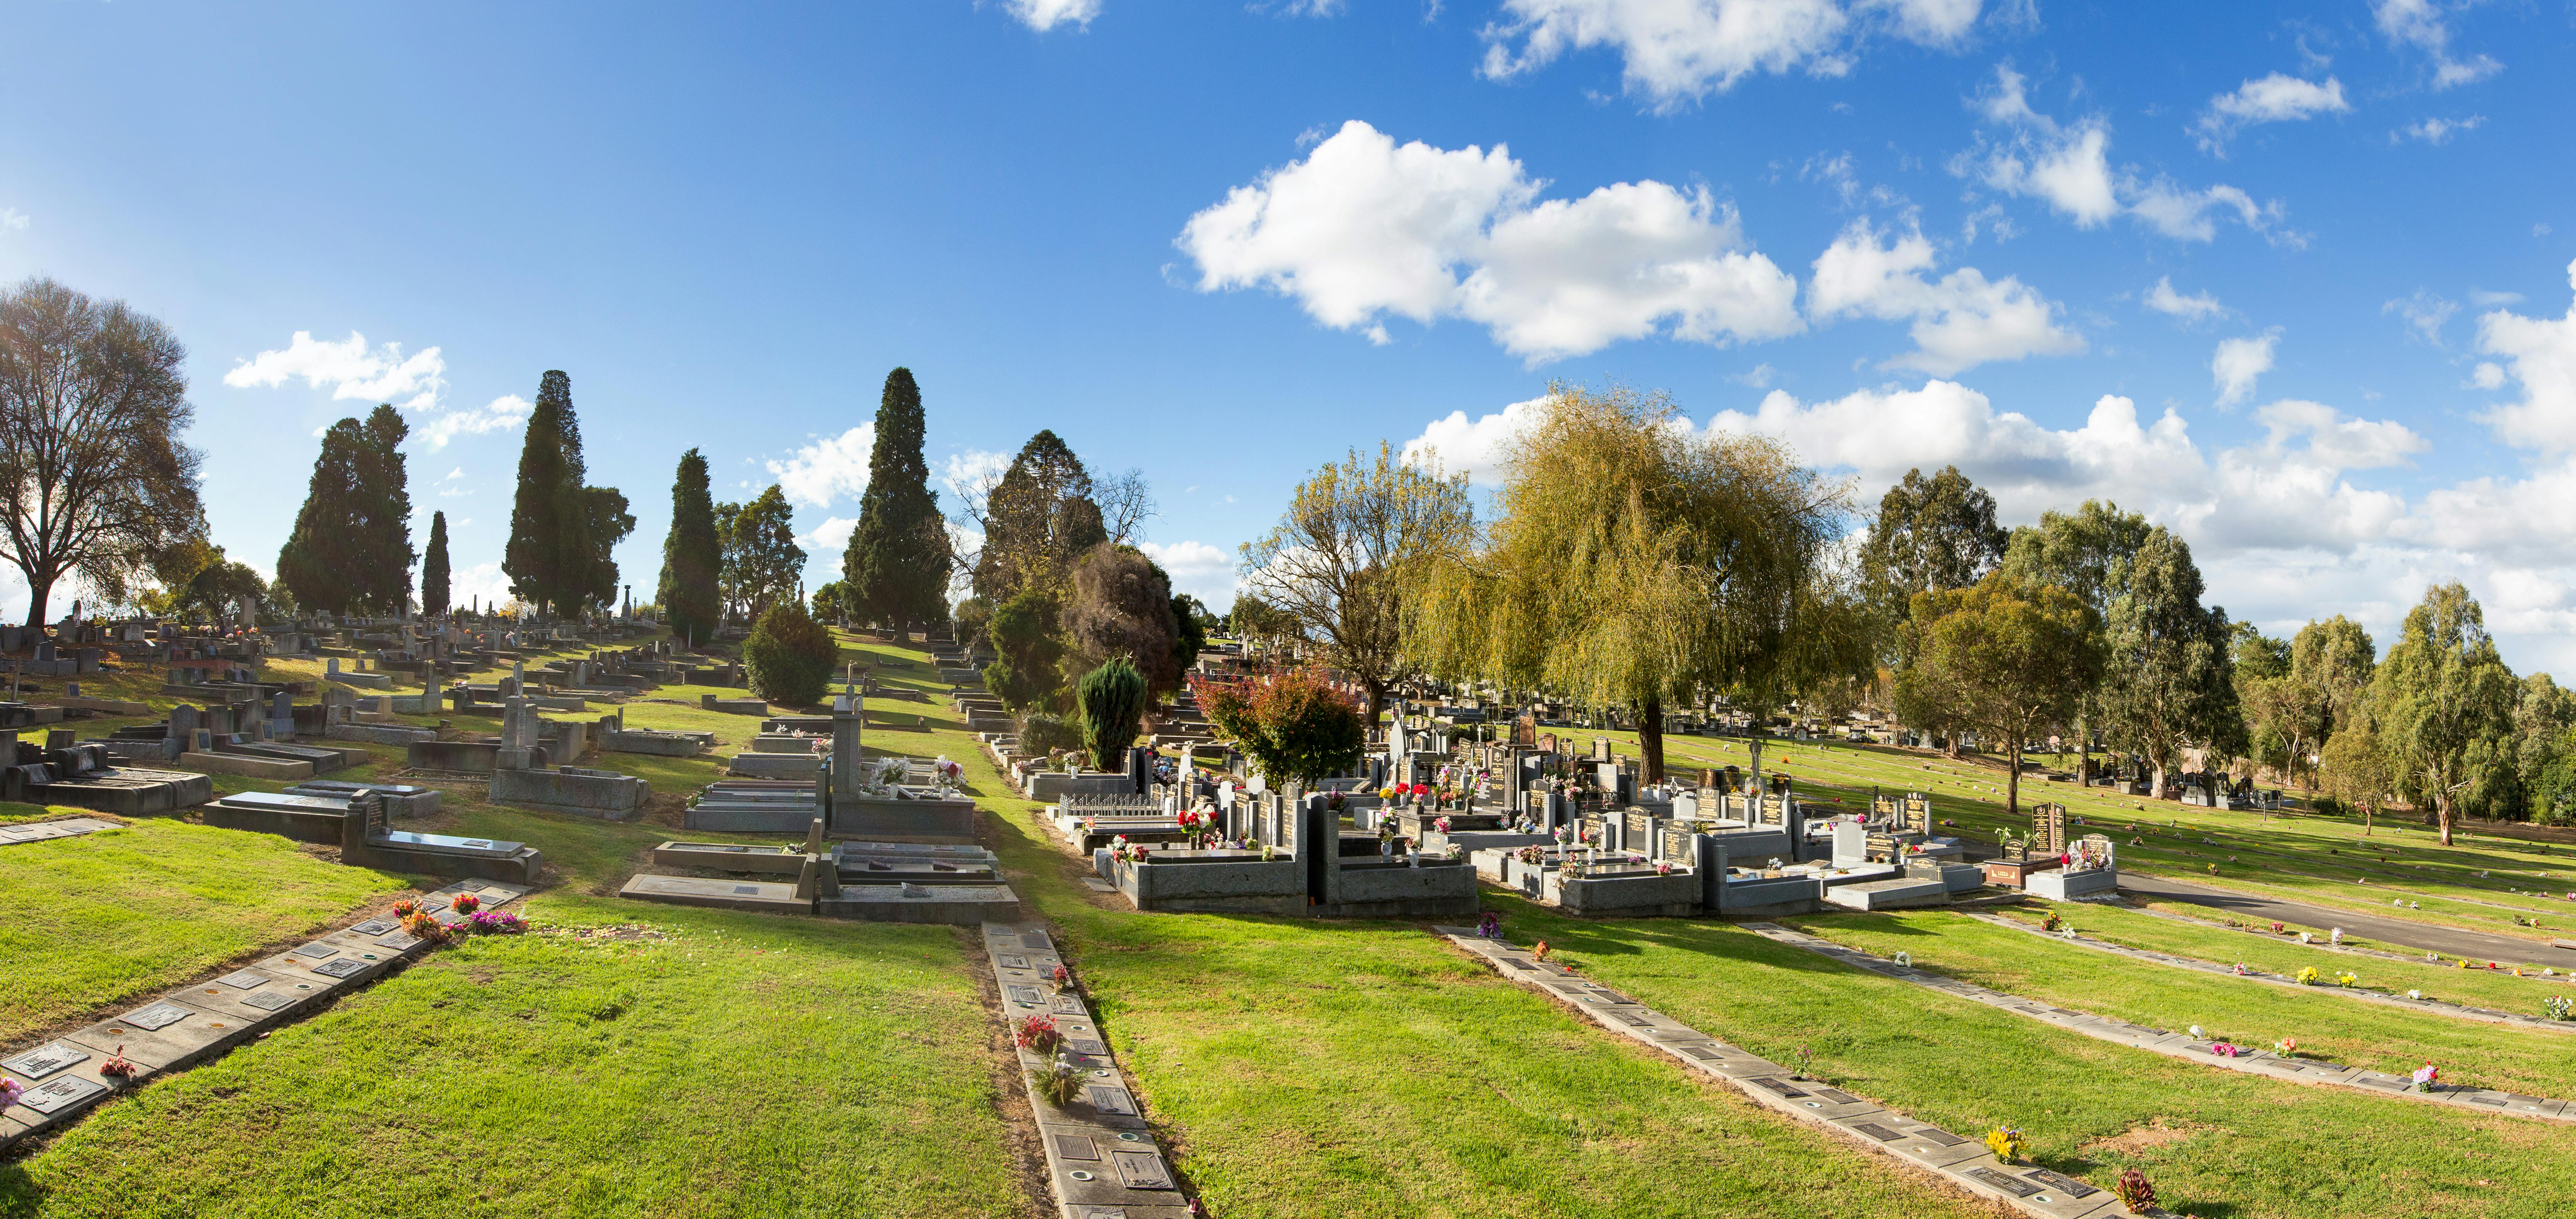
{"points": [[2048, 829]]}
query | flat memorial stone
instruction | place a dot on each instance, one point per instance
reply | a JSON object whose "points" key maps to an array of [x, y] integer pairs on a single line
{"points": [[56, 1096], [316, 951], [1141, 1170], [1086, 1045], [375, 926], [1076, 1147], [1110, 1099], [44, 1060], [269, 1000], [400, 941], [342, 968], [157, 1016]]}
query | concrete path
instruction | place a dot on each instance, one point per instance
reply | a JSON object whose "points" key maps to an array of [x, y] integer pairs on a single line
{"points": [[2450, 941]]}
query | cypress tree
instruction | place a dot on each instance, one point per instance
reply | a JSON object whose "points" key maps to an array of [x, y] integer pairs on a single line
{"points": [[320, 554], [549, 557], [433, 568], [897, 564], [692, 555], [380, 521]]}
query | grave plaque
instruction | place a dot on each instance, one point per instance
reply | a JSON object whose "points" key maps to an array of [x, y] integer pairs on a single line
{"points": [[345, 967], [2072, 1187], [1086, 1045], [1777, 1087], [44, 1060], [1837, 1096], [746, 889], [398, 941], [1631, 1019], [1104, 1212], [157, 1017], [1141, 1169], [1934, 1134], [1013, 961], [1067, 1005], [1076, 1147], [317, 951], [1876, 1131], [243, 980], [1037, 940], [268, 1000], [1607, 995], [1023, 994], [375, 926], [55, 1096], [1701, 1052], [1108, 1099], [2002, 1180]]}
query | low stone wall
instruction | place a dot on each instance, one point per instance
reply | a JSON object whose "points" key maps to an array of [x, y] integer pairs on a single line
{"points": [[2100, 884], [1252, 886], [1055, 785], [468, 757], [588, 793], [1600, 897], [1387, 892], [659, 744]]}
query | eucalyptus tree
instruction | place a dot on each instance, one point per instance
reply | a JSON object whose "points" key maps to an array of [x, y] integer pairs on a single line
{"points": [[2444, 703], [1636, 562], [2169, 684], [2007, 660]]}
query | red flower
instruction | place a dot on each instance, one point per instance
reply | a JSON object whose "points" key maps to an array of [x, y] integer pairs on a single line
{"points": [[1422, 789]]}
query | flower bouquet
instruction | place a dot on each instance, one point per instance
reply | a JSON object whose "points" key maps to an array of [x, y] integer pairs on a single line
{"points": [[406, 908], [2007, 1142], [2559, 1007], [2347, 978], [2287, 1047], [118, 1066], [1061, 1084], [1061, 977], [10, 1091], [2426, 1076], [2135, 1193], [2309, 975], [498, 922], [1037, 1033], [465, 903]]}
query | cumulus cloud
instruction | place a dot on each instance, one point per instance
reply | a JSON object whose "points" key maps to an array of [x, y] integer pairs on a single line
{"points": [[12, 218], [2238, 362], [2540, 353], [827, 469], [2419, 24], [2437, 131], [1677, 50], [351, 368], [1044, 15], [826, 541], [1197, 568], [1474, 447], [1959, 321], [499, 415], [2025, 153], [2197, 308], [968, 474], [1363, 228], [2277, 98], [2425, 314]]}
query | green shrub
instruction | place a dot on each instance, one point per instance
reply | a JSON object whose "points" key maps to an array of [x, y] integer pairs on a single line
{"points": [[1042, 732], [790, 657], [1113, 710]]}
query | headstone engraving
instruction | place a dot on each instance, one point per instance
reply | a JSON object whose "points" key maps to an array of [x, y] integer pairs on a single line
{"points": [[44, 1060], [1110, 1100], [317, 951], [1141, 1170], [1076, 1147], [54, 1096], [156, 1017], [269, 1000], [243, 980], [1876, 1131], [342, 968], [2072, 1187], [1777, 1087], [1932, 1134], [2002, 1180], [375, 926]]}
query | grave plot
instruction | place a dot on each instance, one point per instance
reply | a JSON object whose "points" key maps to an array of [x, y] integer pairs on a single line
{"points": [[1960, 1160], [66, 1076], [1101, 1153], [46, 831], [2192, 1046], [871, 881], [883, 798]]}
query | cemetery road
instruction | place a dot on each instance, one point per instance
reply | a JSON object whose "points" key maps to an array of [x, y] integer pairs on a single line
{"points": [[2450, 941]]}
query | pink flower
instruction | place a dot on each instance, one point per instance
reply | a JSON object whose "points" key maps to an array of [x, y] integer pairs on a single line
{"points": [[10, 1091]]}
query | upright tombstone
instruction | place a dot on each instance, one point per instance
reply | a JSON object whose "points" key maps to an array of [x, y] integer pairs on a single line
{"points": [[518, 736], [849, 718], [1917, 814], [2048, 829]]}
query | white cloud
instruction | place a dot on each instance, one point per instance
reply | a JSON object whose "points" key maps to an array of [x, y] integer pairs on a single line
{"points": [[967, 472], [2425, 314], [829, 539], [12, 218], [2238, 362], [1043, 15], [2487, 375], [1960, 321], [500, 415], [1677, 50], [1474, 447], [830, 467], [483, 584], [1201, 570], [2200, 308], [350, 368], [2541, 354], [2277, 98], [2418, 23], [1363, 228], [2437, 131], [2336, 441], [2068, 167]]}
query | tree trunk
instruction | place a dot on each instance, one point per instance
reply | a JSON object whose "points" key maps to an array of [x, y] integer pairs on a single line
{"points": [[1650, 738], [1376, 702], [2012, 784], [1753, 767], [2442, 810], [2156, 785], [2367, 808], [37, 592]]}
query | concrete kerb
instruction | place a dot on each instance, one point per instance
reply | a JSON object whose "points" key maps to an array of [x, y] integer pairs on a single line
{"points": [[203, 1020], [2175, 1045], [1957, 1160], [1101, 1154], [2459, 1011]]}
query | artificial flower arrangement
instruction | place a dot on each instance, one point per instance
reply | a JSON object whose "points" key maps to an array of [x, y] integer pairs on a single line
{"points": [[1061, 977], [1441, 825], [465, 903], [2414, 994], [406, 908], [1061, 1084], [498, 922], [2007, 1142], [1663, 867], [2309, 975], [1386, 793], [118, 1066], [2426, 1076], [2347, 978], [2052, 922], [1531, 855], [1540, 950], [1037, 1033], [2287, 1047], [2559, 1006], [2224, 1049], [10, 1091], [1490, 925], [2135, 1193]]}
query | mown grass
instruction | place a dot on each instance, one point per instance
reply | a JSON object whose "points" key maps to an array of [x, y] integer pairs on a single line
{"points": [[2216, 1143], [746, 1065], [94, 921]]}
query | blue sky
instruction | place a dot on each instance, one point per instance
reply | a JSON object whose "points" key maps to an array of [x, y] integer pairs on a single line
{"points": [[2294, 279]]}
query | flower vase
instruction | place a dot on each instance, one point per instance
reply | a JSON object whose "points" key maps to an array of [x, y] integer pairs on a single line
{"points": [[1413, 859]]}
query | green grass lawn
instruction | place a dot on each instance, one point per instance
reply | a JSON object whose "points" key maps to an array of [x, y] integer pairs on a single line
{"points": [[745, 1065], [2285, 955], [2216, 1143], [96, 921]]}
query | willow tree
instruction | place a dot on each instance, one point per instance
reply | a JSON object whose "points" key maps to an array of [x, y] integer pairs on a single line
{"points": [[1635, 562]]}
